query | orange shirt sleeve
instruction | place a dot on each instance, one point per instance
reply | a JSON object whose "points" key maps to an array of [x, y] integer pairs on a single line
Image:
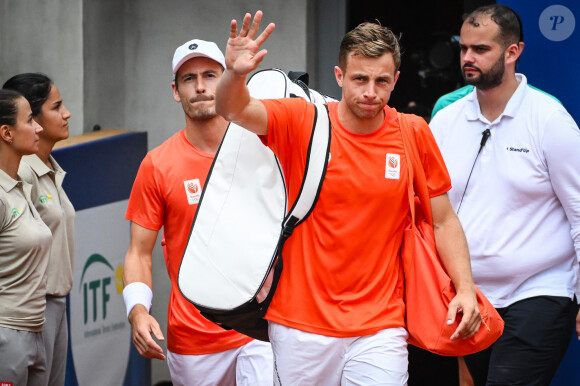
{"points": [[290, 122], [438, 180], [285, 115], [146, 204]]}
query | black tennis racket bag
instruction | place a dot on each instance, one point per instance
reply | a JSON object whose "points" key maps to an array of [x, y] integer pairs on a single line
{"points": [[233, 261]]}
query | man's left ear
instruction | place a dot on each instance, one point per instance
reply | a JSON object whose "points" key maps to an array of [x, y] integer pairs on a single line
{"points": [[338, 75], [396, 77], [514, 51]]}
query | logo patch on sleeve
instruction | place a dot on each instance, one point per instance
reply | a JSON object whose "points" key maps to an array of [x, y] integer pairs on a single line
{"points": [[192, 191], [393, 166]]}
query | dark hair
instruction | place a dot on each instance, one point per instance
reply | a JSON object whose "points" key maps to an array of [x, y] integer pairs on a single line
{"points": [[508, 21], [370, 40], [35, 87], [8, 107]]}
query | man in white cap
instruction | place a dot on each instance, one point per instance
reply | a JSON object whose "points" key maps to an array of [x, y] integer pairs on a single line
{"points": [[165, 194]]}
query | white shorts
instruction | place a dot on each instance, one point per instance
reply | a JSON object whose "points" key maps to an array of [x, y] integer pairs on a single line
{"points": [[302, 358], [248, 365]]}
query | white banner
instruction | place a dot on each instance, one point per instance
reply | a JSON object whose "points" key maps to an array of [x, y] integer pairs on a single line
{"points": [[99, 330]]}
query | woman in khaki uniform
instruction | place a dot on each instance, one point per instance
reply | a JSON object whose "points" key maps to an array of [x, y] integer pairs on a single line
{"points": [[46, 176], [24, 251]]}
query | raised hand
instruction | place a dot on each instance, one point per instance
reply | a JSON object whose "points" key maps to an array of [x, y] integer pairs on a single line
{"points": [[243, 54]]}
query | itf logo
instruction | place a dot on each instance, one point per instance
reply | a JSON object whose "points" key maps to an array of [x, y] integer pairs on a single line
{"points": [[100, 335], [96, 290], [557, 23]]}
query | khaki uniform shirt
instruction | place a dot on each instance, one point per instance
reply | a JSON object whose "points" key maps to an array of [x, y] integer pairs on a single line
{"points": [[58, 213], [24, 253]]}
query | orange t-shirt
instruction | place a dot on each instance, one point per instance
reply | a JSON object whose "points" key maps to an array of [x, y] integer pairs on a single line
{"points": [[342, 274], [165, 194]]}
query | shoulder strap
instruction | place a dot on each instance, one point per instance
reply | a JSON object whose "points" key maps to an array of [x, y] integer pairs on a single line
{"points": [[417, 185], [314, 172]]}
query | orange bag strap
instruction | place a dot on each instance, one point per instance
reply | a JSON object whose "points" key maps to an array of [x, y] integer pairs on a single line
{"points": [[417, 185], [410, 160]]}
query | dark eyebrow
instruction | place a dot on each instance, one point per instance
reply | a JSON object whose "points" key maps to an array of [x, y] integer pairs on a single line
{"points": [[475, 46], [195, 74]]}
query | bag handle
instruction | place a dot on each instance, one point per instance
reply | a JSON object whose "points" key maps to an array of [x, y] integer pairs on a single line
{"points": [[410, 191], [314, 172], [417, 185]]}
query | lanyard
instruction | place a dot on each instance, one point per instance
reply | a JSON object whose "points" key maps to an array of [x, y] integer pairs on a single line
{"points": [[484, 136]]}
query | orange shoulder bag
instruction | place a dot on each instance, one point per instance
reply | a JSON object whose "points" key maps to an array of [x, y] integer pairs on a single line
{"points": [[428, 288]]}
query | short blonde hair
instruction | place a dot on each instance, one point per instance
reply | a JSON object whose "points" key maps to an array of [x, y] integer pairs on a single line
{"points": [[370, 40]]}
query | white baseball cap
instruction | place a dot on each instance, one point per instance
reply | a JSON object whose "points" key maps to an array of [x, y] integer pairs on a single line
{"points": [[194, 48]]}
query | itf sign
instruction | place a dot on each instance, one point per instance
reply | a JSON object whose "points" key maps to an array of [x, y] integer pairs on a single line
{"points": [[557, 23], [99, 331], [101, 167]]}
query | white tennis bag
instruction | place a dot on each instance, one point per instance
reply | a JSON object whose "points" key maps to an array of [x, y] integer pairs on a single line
{"points": [[232, 261]]}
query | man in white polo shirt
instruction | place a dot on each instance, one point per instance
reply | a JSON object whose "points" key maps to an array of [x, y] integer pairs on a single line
{"points": [[514, 160]]}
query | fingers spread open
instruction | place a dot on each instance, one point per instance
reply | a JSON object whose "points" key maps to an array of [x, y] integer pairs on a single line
{"points": [[265, 34], [245, 25], [233, 29], [255, 24]]}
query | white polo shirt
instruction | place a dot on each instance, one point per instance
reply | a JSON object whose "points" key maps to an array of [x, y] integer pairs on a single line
{"points": [[521, 210]]}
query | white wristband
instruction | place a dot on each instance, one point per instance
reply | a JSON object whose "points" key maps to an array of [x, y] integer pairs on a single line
{"points": [[137, 293]]}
